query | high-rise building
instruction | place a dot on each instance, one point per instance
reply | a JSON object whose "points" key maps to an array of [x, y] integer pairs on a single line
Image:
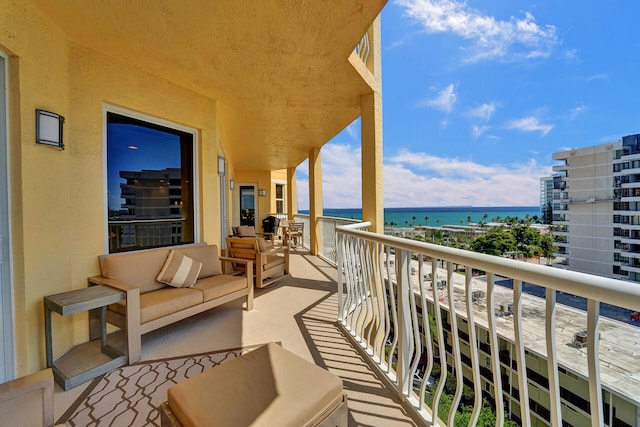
{"points": [[596, 208], [546, 199], [583, 208], [626, 210]]}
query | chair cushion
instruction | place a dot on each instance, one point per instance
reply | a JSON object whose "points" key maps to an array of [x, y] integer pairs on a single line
{"points": [[217, 286], [269, 386], [207, 255], [136, 268], [162, 302], [246, 231], [262, 245], [179, 270]]}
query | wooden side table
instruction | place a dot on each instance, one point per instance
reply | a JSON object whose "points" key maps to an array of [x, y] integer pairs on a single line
{"points": [[84, 361]]}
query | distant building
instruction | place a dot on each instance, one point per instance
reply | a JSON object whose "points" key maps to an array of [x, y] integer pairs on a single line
{"points": [[152, 193], [594, 212], [546, 199], [152, 212]]}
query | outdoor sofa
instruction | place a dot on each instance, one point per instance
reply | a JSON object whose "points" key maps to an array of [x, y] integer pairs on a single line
{"points": [[166, 285]]}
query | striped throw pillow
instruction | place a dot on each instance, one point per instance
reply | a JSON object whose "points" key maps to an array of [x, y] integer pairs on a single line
{"points": [[179, 271]]}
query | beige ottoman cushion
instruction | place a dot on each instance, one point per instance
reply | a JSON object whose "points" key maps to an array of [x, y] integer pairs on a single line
{"points": [[269, 386]]}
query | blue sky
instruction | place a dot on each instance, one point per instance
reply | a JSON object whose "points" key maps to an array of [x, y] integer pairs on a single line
{"points": [[478, 95]]}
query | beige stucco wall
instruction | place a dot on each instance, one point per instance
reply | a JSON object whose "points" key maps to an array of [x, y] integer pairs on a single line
{"points": [[58, 197]]}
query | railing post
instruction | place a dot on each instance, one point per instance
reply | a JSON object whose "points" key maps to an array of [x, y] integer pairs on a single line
{"points": [[404, 322], [593, 362], [340, 254]]}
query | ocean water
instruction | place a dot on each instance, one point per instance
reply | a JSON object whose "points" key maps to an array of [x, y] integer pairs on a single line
{"points": [[411, 217]]}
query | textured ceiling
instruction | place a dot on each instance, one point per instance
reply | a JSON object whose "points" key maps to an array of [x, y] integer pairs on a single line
{"points": [[278, 68]]}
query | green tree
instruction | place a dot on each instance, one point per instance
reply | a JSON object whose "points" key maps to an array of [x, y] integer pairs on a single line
{"points": [[547, 246], [426, 220], [494, 243]]}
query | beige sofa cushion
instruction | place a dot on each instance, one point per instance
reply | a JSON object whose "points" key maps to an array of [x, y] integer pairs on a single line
{"points": [[162, 302], [217, 286], [179, 270], [269, 386], [207, 255], [135, 268], [246, 231]]}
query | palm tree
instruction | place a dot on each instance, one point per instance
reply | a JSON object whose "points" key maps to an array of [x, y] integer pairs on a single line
{"points": [[413, 220], [426, 220], [437, 222], [469, 219]]}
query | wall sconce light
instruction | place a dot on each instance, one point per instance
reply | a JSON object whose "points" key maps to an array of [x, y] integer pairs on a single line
{"points": [[231, 184], [221, 166], [49, 129], [262, 193]]}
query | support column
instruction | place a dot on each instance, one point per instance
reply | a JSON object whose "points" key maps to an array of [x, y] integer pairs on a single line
{"points": [[315, 201], [371, 123], [292, 193]]}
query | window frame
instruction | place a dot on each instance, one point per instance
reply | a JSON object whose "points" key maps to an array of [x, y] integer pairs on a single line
{"points": [[284, 196], [108, 108]]}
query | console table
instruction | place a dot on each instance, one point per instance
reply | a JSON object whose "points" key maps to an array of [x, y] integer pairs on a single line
{"points": [[84, 361]]}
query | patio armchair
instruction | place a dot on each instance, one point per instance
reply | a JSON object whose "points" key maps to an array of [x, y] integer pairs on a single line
{"points": [[270, 264], [250, 231], [295, 234]]}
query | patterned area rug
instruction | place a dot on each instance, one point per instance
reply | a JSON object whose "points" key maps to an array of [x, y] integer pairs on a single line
{"points": [[131, 395]]}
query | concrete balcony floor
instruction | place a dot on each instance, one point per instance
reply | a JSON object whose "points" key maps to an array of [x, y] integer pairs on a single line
{"points": [[300, 313]]}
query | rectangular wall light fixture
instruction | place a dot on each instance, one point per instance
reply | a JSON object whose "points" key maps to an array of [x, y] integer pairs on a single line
{"points": [[49, 128]]}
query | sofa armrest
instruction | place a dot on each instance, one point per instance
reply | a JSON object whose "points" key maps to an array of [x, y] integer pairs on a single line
{"points": [[229, 261], [132, 298], [112, 283]]}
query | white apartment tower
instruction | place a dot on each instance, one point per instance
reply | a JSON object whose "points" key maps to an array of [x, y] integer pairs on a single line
{"points": [[626, 210], [546, 199], [583, 208]]}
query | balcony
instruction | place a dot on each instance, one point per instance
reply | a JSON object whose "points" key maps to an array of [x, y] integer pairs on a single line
{"points": [[383, 311], [299, 312], [385, 350]]}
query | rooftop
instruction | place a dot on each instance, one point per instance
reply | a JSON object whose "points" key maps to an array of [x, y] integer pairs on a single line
{"points": [[619, 341]]}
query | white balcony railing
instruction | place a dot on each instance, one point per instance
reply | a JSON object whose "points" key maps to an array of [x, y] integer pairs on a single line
{"points": [[141, 234], [328, 227], [485, 333]]}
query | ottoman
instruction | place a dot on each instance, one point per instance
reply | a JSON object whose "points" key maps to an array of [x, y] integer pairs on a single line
{"points": [[268, 386]]}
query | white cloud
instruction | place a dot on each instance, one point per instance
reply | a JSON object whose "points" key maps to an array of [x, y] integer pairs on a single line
{"points": [[479, 130], [530, 124], [577, 111], [490, 37], [600, 76], [423, 179], [484, 112], [444, 101], [353, 130], [451, 182], [571, 55]]}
